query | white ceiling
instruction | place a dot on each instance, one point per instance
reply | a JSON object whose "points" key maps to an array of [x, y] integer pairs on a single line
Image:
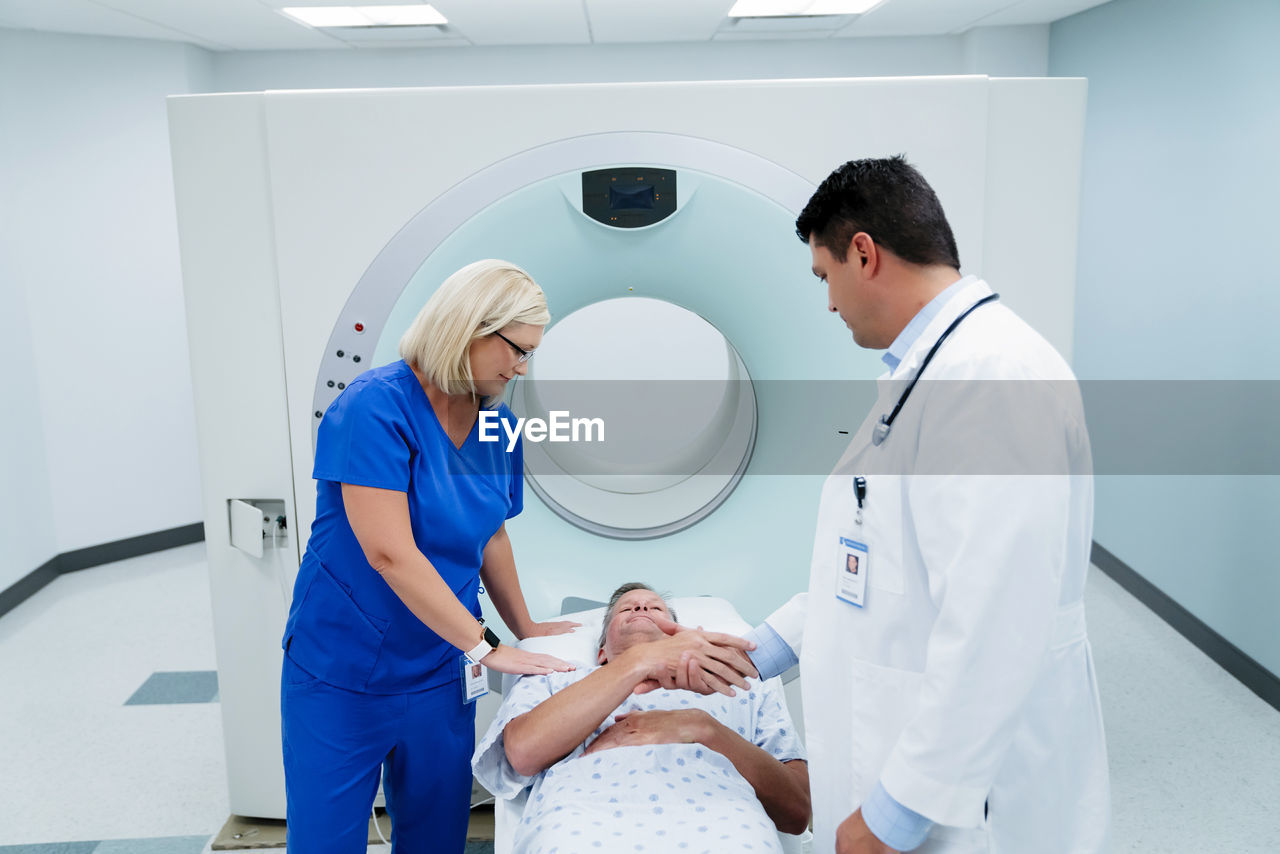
{"points": [[259, 25]]}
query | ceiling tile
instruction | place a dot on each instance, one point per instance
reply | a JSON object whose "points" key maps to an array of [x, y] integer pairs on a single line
{"points": [[922, 17], [229, 24], [1037, 12], [400, 37], [816, 26], [494, 22], [765, 35], [655, 20], [83, 16]]}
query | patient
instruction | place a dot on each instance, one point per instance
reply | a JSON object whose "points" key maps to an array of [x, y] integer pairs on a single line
{"points": [[615, 763]]}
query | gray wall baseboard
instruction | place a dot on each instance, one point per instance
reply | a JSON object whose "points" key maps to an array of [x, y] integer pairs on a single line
{"points": [[27, 586], [1227, 655]]}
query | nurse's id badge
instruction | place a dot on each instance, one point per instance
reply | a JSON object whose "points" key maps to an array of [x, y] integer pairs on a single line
{"points": [[852, 561], [475, 680]]}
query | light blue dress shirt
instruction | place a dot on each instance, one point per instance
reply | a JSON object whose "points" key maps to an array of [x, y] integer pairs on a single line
{"points": [[772, 656], [891, 822], [898, 349]]}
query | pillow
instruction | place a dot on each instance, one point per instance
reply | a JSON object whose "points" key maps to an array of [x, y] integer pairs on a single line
{"points": [[580, 646]]}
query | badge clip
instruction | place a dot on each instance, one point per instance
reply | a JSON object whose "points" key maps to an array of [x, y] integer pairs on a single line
{"points": [[859, 492]]}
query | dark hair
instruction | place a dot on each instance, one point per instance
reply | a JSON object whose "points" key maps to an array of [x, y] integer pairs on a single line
{"points": [[613, 603], [889, 200]]}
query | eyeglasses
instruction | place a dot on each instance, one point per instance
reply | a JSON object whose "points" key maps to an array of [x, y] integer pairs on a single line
{"points": [[525, 355]]}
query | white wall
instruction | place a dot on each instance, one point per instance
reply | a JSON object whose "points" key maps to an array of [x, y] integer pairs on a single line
{"points": [[1007, 51], [91, 250], [1177, 280], [27, 535]]}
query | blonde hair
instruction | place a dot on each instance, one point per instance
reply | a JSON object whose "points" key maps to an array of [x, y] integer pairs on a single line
{"points": [[476, 301]]}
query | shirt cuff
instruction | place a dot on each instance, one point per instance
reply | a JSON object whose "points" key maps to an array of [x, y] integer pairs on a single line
{"points": [[772, 656], [892, 823]]}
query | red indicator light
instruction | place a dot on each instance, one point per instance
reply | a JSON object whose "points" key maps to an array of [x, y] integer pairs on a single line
{"points": [[359, 327]]}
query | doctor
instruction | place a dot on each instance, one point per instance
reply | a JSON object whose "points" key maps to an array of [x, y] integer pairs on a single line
{"points": [[949, 691]]}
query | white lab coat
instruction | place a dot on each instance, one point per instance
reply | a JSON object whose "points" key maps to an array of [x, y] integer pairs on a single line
{"points": [[966, 681]]}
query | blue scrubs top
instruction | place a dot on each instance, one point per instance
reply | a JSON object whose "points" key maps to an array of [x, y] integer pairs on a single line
{"points": [[346, 626]]}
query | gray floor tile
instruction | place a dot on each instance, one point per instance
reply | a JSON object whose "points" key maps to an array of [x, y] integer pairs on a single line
{"points": [[192, 686], [51, 848]]}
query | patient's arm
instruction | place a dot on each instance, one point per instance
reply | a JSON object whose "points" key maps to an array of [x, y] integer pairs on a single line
{"points": [[782, 787], [552, 729]]}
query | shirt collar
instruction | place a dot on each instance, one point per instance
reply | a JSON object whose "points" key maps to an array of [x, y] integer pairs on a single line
{"points": [[898, 349]]}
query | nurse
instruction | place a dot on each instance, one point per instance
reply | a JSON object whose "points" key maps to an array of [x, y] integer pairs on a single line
{"points": [[384, 626], [949, 692]]}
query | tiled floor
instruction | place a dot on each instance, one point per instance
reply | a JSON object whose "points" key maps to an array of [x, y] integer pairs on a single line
{"points": [[111, 741], [158, 845]]}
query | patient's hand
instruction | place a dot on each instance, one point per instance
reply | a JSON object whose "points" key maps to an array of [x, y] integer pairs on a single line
{"points": [[681, 726]]}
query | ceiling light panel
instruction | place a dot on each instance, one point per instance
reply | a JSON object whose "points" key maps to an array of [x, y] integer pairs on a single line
{"points": [[325, 16], [411, 15], [424, 15]]}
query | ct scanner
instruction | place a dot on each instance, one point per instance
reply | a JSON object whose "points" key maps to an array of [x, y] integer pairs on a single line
{"points": [[659, 220]]}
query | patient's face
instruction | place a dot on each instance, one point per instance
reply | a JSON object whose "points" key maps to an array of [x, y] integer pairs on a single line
{"points": [[631, 623]]}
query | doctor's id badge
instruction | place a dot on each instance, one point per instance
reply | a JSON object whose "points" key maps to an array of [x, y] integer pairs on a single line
{"points": [[852, 559], [475, 680]]}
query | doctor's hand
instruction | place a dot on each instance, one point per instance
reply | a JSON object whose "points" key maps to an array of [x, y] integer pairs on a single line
{"points": [[556, 627], [716, 661], [854, 837], [508, 659], [680, 726]]}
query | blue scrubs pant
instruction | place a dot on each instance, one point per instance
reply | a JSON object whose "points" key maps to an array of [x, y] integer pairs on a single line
{"points": [[336, 742]]}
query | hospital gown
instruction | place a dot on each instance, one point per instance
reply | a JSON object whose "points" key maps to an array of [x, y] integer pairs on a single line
{"points": [[646, 798]]}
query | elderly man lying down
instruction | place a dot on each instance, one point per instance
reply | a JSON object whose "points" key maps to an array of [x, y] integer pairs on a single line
{"points": [[617, 764]]}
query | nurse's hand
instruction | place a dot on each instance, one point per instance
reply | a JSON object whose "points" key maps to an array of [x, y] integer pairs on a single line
{"points": [[557, 627], [508, 659], [854, 837]]}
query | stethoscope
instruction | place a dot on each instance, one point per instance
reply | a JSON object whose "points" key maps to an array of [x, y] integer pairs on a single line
{"points": [[882, 429]]}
